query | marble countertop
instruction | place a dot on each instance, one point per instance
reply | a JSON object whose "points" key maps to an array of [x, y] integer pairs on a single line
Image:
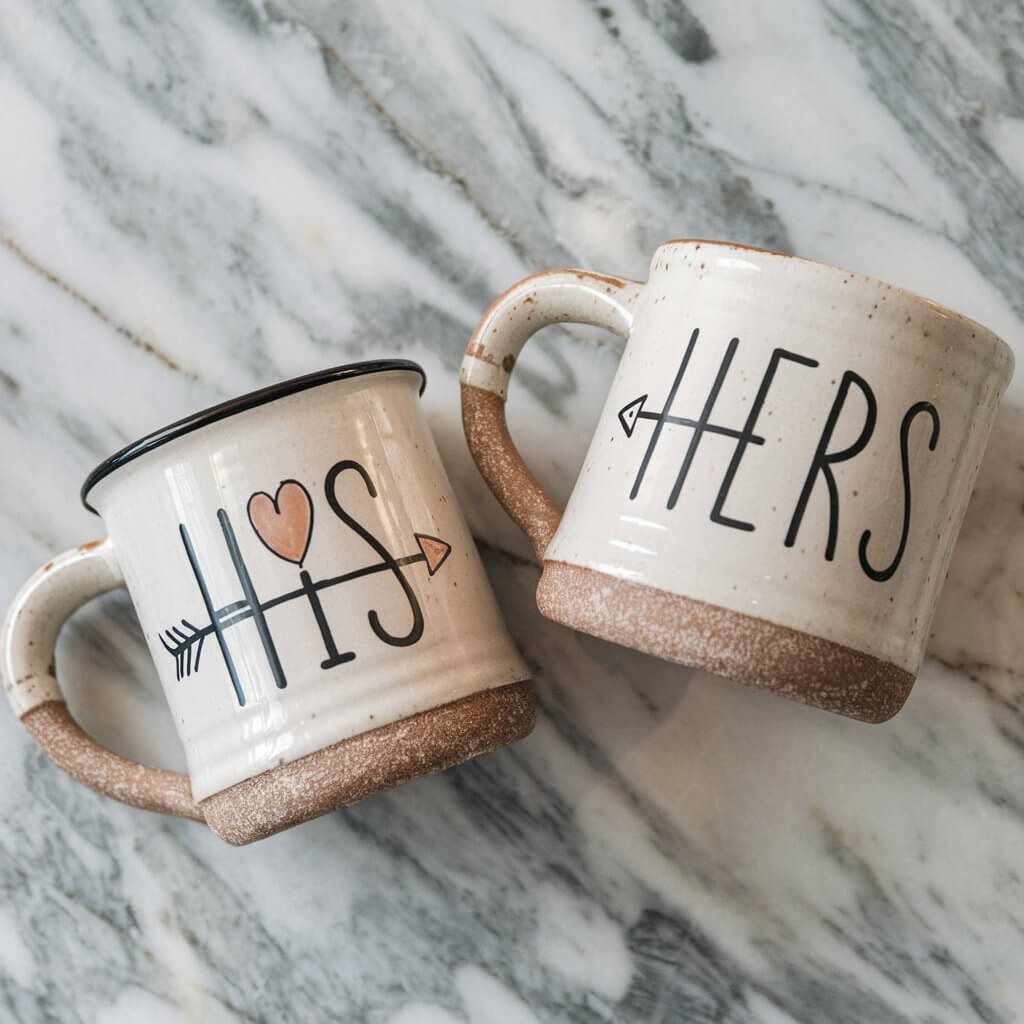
{"points": [[199, 199]]}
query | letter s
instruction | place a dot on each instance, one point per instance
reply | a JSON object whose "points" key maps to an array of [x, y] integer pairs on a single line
{"points": [[884, 574], [416, 630]]}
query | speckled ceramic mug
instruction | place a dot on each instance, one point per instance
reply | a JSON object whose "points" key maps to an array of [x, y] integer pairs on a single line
{"points": [[318, 613], [777, 478]]}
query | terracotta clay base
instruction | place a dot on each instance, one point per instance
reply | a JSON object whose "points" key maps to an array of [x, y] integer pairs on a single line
{"points": [[356, 768], [753, 651], [60, 736]]}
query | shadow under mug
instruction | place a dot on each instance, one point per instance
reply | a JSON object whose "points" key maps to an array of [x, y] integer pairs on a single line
{"points": [[315, 605], [778, 475]]}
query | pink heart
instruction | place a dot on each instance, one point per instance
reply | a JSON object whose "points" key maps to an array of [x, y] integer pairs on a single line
{"points": [[283, 523]]}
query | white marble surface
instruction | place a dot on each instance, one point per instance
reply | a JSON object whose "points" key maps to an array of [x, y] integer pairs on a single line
{"points": [[198, 199]]}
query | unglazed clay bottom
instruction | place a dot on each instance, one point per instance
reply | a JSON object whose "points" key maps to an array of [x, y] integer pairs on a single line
{"points": [[358, 767], [750, 650]]}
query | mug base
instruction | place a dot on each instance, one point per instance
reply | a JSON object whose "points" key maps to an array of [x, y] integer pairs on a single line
{"points": [[355, 768], [753, 651]]}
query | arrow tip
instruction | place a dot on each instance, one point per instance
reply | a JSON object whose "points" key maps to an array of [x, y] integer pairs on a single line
{"points": [[628, 414], [434, 550]]}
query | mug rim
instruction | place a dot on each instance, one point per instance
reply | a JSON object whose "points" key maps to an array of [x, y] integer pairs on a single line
{"points": [[250, 400], [916, 297]]}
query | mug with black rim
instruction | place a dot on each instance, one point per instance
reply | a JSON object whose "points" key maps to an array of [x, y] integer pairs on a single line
{"points": [[777, 478], [315, 605]]}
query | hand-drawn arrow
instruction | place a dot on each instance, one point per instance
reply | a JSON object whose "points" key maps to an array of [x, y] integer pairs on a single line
{"points": [[629, 414], [185, 643]]}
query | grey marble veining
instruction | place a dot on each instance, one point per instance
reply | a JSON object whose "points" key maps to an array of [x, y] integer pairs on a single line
{"points": [[199, 199]]}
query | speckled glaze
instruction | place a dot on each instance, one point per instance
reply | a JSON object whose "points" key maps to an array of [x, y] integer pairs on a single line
{"points": [[312, 598], [787, 448]]}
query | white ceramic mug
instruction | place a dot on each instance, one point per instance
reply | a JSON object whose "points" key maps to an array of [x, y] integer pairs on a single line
{"points": [[312, 598], [777, 478]]}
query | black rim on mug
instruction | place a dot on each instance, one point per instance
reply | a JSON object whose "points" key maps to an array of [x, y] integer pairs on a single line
{"points": [[232, 406]]}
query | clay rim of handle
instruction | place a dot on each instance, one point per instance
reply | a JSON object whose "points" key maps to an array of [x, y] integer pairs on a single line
{"points": [[551, 297], [28, 640]]}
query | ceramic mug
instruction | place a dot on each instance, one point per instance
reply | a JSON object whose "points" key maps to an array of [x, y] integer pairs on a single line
{"points": [[778, 475], [314, 603]]}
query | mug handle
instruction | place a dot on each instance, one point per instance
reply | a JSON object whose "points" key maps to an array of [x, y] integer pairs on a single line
{"points": [[551, 297], [28, 640]]}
